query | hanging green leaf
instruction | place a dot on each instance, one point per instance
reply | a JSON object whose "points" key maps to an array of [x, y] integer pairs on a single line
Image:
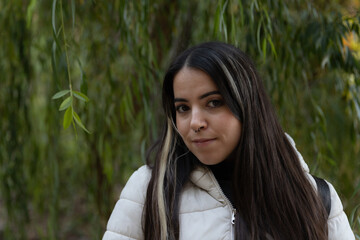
{"points": [[53, 16], [273, 50], [356, 191], [264, 44], [78, 122], [30, 12], [81, 96], [73, 13], [60, 94], [67, 118], [217, 19], [258, 35], [83, 83], [66, 103], [353, 215]]}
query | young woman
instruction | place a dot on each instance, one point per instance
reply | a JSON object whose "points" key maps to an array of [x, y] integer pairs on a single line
{"points": [[223, 168]]}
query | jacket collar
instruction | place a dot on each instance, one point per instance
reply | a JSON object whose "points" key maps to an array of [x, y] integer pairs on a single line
{"points": [[203, 178]]}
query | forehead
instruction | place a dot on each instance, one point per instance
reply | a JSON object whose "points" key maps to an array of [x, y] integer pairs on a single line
{"points": [[192, 82]]}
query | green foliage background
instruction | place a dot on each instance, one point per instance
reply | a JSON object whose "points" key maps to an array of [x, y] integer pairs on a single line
{"points": [[60, 183]]}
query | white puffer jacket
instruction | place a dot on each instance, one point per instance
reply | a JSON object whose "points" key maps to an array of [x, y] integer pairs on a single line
{"points": [[205, 213]]}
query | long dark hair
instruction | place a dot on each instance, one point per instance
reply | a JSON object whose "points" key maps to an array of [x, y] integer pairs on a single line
{"points": [[272, 194]]}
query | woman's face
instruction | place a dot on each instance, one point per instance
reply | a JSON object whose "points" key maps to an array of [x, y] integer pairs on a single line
{"points": [[198, 104]]}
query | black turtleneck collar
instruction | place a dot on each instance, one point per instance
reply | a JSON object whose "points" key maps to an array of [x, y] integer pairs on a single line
{"points": [[223, 173]]}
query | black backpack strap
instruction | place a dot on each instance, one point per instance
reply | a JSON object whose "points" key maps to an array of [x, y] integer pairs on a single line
{"points": [[324, 192]]}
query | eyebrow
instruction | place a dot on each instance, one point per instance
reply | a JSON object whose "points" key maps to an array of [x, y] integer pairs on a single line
{"points": [[201, 97]]}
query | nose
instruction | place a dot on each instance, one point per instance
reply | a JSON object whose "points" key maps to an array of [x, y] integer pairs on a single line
{"points": [[198, 120]]}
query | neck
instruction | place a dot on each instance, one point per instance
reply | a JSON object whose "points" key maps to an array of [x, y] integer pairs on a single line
{"points": [[223, 170]]}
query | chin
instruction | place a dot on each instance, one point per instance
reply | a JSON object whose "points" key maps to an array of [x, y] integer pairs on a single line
{"points": [[210, 162]]}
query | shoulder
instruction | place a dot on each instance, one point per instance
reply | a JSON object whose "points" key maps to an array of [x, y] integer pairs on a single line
{"points": [[338, 223], [135, 188], [125, 220]]}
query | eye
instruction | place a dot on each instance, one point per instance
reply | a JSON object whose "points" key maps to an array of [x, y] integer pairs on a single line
{"points": [[181, 108], [215, 103]]}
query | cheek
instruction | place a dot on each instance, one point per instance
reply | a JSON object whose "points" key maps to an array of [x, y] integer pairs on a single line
{"points": [[232, 128], [181, 127], [236, 134]]}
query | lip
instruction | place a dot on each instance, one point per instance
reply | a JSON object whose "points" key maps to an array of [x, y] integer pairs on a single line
{"points": [[203, 141]]}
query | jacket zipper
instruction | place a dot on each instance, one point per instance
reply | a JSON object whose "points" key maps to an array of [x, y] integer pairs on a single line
{"points": [[233, 210], [233, 216]]}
